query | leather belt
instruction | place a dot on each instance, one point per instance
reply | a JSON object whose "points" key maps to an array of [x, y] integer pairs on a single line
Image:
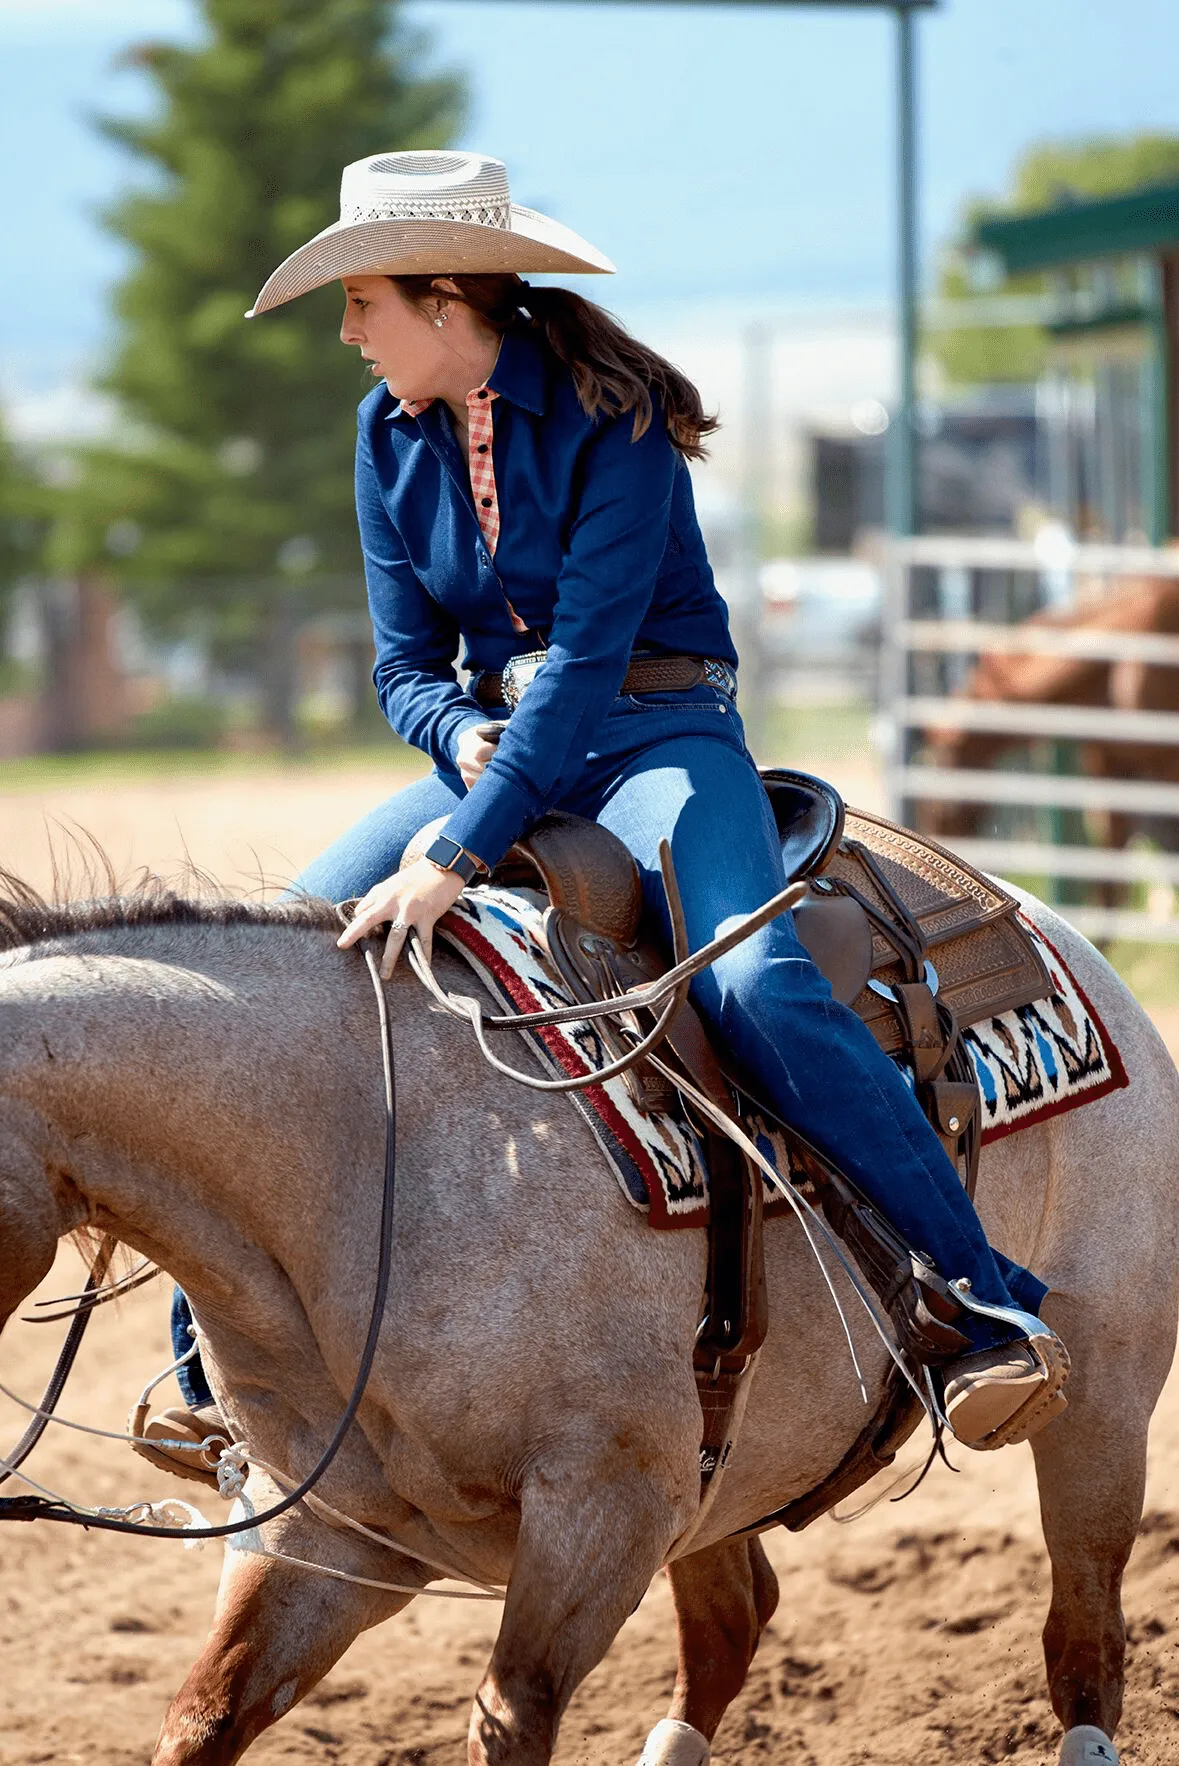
{"points": [[495, 688]]}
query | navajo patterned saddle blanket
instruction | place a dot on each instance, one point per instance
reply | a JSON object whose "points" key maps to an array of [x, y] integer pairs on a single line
{"points": [[1032, 1063]]}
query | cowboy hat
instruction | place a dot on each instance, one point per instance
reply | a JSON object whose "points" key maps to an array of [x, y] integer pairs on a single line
{"points": [[414, 214]]}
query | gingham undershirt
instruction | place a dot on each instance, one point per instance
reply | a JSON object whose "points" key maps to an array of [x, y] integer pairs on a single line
{"points": [[481, 466]]}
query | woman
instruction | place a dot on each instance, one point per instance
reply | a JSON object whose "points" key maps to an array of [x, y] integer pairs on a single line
{"points": [[522, 488]]}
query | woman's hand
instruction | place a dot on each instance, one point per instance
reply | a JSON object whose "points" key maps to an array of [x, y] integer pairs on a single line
{"points": [[417, 897], [475, 748]]}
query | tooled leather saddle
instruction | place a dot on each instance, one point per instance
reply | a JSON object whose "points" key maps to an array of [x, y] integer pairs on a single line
{"points": [[921, 946]]}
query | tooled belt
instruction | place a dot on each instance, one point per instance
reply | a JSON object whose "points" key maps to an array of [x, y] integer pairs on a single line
{"points": [[647, 674]]}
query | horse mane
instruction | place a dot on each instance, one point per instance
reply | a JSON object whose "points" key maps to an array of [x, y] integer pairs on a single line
{"points": [[27, 917]]}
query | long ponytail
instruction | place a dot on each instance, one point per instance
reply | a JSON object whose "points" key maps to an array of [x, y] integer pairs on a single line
{"points": [[612, 371]]}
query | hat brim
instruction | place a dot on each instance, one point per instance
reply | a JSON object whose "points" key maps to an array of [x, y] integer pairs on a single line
{"points": [[428, 247]]}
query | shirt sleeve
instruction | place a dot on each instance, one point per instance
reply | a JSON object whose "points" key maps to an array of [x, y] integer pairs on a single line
{"points": [[617, 537], [416, 640]]}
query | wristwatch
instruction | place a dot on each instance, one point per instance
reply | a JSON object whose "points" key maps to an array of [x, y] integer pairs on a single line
{"points": [[448, 855]]}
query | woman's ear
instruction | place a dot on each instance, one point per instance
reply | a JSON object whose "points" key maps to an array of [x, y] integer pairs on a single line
{"points": [[444, 285]]}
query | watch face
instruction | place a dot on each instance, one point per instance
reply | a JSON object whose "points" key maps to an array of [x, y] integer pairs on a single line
{"points": [[450, 855]]}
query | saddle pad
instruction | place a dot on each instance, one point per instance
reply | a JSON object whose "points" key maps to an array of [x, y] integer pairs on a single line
{"points": [[1034, 1062], [1042, 1059]]}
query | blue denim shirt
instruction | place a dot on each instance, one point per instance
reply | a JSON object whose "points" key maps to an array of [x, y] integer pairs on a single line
{"points": [[599, 552]]}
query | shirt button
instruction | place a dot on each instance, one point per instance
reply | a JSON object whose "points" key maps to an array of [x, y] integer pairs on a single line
{"points": [[482, 448], [486, 501], [482, 392]]}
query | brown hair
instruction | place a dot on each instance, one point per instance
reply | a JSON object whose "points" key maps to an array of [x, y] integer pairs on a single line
{"points": [[612, 372]]}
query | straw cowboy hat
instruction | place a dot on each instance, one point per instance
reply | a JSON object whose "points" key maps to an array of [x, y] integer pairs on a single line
{"points": [[412, 214]]}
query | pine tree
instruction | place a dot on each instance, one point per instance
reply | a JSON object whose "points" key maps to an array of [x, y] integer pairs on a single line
{"points": [[241, 462]]}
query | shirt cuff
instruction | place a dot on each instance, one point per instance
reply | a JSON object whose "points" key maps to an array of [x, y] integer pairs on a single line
{"points": [[461, 720], [490, 817]]}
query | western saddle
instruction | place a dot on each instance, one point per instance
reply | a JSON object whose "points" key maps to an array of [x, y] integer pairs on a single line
{"points": [[920, 946]]}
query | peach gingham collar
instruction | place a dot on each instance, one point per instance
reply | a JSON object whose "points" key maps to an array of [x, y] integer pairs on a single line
{"points": [[480, 466], [480, 460]]}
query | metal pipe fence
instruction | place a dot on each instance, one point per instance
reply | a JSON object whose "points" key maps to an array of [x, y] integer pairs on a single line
{"points": [[1039, 811]]}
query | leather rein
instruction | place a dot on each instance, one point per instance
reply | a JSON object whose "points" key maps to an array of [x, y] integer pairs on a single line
{"points": [[42, 1508], [664, 996]]}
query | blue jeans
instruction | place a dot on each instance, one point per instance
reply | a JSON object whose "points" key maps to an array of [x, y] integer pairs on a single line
{"points": [[675, 765]]}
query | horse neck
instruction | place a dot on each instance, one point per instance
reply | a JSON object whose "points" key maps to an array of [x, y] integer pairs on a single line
{"points": [[184, 1087]]}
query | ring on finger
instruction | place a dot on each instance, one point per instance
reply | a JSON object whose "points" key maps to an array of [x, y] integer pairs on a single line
{"points": [[399, 926]]}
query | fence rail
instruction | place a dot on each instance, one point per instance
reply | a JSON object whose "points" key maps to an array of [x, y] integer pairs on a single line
{"points": [[952, 600]]}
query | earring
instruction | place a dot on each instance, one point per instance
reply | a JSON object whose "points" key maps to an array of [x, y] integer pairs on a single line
{"points": [[442, 318]]}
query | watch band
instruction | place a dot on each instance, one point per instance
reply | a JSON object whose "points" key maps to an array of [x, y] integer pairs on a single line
{"points": [[448, 855]]}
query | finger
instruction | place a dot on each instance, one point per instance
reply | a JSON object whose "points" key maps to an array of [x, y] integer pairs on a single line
{"points": [[352, 933], [360, 925], [392, 950], [368, 916]]}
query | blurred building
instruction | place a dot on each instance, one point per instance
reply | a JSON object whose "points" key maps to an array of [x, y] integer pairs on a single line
{"points": [[980, 468], [1108, 408]]}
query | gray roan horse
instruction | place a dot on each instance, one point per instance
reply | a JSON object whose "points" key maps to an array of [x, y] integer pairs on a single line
{"points": [[204, 1082]]}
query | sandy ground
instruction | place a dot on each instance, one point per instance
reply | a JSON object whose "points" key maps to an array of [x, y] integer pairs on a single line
{"points": [[911, 1636]]}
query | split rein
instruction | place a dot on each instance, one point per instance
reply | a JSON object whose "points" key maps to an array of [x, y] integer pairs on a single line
{"points": [[665, 995], [43, 1508], [668, 991]]}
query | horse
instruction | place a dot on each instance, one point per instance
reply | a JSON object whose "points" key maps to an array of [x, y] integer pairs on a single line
{"points": [[202, 1080], [1147, 605]]}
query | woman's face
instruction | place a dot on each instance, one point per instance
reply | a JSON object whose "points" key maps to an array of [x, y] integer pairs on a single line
{"points": [[399, 338]]}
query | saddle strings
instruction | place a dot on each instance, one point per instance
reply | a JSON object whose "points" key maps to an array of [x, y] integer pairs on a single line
{"points": [[807, 1215]]}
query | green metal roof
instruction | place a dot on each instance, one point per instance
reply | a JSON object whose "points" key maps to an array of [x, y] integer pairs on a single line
{"points": [[1118, 226], [887, 5]]}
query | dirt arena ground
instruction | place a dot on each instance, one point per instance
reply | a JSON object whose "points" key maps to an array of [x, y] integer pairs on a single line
{"points": [[912, 1636]]}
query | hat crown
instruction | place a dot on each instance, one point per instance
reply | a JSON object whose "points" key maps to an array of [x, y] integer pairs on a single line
{"points": [[443, 185]]}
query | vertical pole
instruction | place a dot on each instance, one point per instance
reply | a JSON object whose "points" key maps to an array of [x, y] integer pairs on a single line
{"points": [[902, 478], [747, 615], [1166, 524]]}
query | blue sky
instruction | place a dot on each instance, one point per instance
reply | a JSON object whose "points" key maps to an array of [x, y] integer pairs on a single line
{"points": [[724, 156]]}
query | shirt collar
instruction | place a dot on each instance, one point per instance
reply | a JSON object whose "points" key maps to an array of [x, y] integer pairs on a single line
{"points": [[518, 376]]}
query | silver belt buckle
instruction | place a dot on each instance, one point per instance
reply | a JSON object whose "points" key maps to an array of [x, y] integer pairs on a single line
{"points": [[518, 673]]}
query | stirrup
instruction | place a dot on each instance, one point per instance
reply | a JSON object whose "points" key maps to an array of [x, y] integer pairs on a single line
{"points": [[1026, 1323]]}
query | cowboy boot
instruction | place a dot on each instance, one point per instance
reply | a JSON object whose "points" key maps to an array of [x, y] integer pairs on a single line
{"points": [[187, 1443], [1002, 1395]]}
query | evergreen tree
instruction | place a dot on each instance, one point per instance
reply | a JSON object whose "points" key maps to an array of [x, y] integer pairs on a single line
{"points": [[1046, 177], [24, 511], [240, 464]]}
